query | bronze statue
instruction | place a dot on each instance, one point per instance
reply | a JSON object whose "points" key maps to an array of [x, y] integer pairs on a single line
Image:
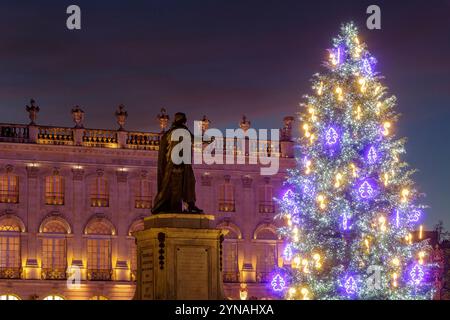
{"points": [[176, 183]]}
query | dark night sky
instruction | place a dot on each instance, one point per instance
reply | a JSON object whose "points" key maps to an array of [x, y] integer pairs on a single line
{"points": [[223, 59]]}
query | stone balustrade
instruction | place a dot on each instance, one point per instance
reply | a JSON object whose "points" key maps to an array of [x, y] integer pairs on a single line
{"points": [[122, 139], [14, 133]]}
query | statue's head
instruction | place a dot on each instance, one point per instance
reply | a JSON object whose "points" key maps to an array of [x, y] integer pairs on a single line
{"points": [[179, 119]]}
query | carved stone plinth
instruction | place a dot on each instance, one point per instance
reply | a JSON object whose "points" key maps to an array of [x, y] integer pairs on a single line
{"points": [[179, 258]]}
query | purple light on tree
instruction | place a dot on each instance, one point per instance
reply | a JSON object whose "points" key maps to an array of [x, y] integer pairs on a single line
{"points": [[345, 221], [367, 67], [308, 188], [278, 283], [287, 253], [288, 197], [372, 155], [365, 190], [331, 136], [350, 285], [417, 274], [414, 216]]}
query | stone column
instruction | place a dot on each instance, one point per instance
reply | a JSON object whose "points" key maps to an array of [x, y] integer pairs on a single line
{"points": [[78, 207], [33, 193], [122, 265]]}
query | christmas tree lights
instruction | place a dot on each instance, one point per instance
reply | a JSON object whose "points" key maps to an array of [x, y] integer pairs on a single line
{"points": [[351, 205]]}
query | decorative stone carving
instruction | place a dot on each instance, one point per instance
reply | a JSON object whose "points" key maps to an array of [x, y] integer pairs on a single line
{"points": [[122, 175], [100, 172], [163, 119], [247, 181], [32, 171], [78, 117], [286, 131], [9, 168], [32, 110], [244, 124], [161, 240], [205, 124], [143, 174], [206, 179], [121, 116], [77, 174]]}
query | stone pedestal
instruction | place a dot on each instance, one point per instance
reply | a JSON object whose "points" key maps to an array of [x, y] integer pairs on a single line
{"points": [[179, 258]]}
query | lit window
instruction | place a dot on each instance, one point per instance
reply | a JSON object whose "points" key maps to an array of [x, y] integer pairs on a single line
{"points": [[10, 260], [9, 188], [54, 250], [99, 298], [54, 297], [9, 297], [266, 204], [143, 195], [230, 261], [266, 261], [226, 197], [266, 253], [99, 250], [99, 192], [54, 190]]}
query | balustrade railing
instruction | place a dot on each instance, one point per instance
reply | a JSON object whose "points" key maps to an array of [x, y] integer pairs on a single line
{"points": [[100, 138], [122, 139], [227, 205], [55, 135], [266, 207], [143, 141], [53, 274], [99, 274], [230, 277], [10, 272], [14, 133], [8, 196]]}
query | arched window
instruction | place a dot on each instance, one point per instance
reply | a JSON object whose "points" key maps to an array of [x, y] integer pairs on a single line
{"points": [[266, 252], [99, 298], [10, 258], [54, 297], [99, 192], [226, 196], [54, 189], [9, 188], [138, 225], [266, 204], [54, 248], [230, 266], [99, 235], [144, 194], [9, 297]]}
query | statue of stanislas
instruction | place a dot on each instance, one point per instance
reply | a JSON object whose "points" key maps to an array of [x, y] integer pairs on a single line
{"points": [[176, 182]]}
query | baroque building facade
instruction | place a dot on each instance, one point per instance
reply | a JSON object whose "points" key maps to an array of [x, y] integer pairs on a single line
{"points": [[71, 198]]}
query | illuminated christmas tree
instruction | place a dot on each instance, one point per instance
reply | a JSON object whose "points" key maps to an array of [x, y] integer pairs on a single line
{"points": [[350, 208]]}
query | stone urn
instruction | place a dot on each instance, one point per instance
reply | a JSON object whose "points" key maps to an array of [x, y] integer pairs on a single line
{"points": [[32, 110], [163, 119], [121, 116], [78, 117], [244, 124]]}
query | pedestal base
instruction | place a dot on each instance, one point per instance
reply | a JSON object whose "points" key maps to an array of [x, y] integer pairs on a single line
{"points": [[179, 258]]}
